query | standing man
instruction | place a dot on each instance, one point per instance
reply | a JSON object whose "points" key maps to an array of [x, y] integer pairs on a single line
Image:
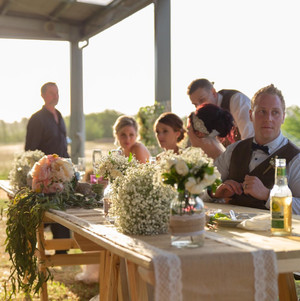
{"points": [[46, 131], [238, 104], [246, 166]]}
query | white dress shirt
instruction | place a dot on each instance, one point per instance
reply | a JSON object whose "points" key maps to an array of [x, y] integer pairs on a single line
{"points": [[258, 156], [239, 108]]}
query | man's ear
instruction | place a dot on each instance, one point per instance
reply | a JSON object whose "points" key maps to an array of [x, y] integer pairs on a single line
{"points": [[283, 118], [250, 115], [214, 92]]}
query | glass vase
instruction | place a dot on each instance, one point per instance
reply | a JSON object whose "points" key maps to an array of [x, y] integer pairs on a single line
{"points": [[187, 221]]}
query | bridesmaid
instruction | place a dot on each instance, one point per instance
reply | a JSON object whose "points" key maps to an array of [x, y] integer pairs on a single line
{"points": [[126, 134], [169, 131]]}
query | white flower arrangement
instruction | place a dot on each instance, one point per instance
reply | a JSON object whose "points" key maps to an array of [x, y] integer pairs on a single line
{"points": [[113, 165], [190, 170], [23, 162], [141, 203]]}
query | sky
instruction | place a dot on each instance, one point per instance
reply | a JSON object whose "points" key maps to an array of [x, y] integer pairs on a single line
{"points": [[241, 45]]}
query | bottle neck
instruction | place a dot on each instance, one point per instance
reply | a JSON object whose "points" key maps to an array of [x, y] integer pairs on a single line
{"points": [[280, 178]]}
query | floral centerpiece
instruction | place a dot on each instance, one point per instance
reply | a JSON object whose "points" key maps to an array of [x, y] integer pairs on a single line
{"points": [[190, 172], [23, 162], [140, 202], [53, 187], [114, 165]]}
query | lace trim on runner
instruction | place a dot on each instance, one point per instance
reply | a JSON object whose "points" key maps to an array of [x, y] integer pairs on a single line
{"points": [[265, 271], [264, 265], [167, 269]]}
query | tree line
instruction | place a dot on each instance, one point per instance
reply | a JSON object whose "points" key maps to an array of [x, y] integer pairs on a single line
{"points": [[99, 125]]}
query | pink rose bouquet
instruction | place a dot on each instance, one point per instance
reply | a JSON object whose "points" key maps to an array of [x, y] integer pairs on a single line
{"points": [[51, 173]]}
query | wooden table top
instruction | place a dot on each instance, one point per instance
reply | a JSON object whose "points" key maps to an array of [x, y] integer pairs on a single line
{"points": [[92, 224]]}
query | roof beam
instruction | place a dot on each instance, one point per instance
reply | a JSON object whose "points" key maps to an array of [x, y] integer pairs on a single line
{"points": [[114, 13], [23, 28]]}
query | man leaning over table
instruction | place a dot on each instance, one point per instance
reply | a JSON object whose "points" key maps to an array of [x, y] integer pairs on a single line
{"points": [[245, 167]]}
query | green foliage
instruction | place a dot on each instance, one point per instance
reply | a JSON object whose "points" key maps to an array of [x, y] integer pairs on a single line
{"points": [[13, 132], [146, 117], [24, 216], [291, 126]]}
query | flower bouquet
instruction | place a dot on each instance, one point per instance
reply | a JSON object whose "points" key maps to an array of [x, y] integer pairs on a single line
{"points": [[189, 173], [53, 187], [140, 202], [114, 165], [23, 162]]}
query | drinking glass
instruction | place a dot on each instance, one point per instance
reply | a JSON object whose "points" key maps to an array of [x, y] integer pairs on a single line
{"points": [[97, 153], [81, 166]]}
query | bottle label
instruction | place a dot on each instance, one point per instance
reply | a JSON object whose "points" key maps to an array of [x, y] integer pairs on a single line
{"points": [[281, 171], [277, 214]]}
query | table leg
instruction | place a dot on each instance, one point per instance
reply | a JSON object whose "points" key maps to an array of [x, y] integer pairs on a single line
{"points": [[287, 287], [137, 287], [41, 260]]}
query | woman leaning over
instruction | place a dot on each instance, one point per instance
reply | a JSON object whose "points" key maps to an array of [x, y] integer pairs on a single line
{"points": [[126, 133]]}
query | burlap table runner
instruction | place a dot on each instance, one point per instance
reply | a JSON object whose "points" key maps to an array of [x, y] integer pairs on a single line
{"points": [[223, 269]]}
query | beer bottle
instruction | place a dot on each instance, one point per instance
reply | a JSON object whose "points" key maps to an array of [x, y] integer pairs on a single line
{"points": [[281, 202]]}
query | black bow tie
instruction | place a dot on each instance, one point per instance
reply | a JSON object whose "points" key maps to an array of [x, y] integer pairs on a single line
{"points": [[264, 148]]}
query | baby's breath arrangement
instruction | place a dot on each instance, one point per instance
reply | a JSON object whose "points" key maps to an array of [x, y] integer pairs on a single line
{"points": [[141, 203], [23, 162], [114, 165]]}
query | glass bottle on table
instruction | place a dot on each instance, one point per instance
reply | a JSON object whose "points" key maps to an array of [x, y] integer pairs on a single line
{"points": [[97, 153], [281, 202]]}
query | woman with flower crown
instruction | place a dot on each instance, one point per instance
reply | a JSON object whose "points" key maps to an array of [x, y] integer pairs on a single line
{"points": [[125, 132], [214, 125], [169, 131]]}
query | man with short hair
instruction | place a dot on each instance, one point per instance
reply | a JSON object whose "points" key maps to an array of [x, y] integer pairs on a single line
{"points": [[46, 131], [245, 166], [238, 104]]}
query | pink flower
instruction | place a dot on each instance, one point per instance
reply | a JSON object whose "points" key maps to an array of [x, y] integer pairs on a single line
{"points": [[50, 173]]}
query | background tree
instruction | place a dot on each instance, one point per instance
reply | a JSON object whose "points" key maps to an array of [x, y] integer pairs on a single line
{"points": [[291, 126]]}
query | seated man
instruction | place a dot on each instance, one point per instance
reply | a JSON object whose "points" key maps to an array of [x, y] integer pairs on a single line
{"points": [[245, 166]]}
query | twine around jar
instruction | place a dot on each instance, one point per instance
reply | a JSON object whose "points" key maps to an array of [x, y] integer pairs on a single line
{"points": [[187, 224]]}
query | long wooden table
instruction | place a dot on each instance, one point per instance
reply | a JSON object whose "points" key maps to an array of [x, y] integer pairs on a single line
{"points": [[126, 264]]}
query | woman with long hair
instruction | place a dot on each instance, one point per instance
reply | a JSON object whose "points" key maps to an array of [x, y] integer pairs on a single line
{"points": [[125, 132], [169, 131]]}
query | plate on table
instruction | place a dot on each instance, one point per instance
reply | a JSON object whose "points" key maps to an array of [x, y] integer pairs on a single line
{"points": [[224, 220]]}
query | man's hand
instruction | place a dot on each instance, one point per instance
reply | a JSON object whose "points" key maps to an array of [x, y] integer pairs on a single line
{"points": [[228, 189], [254, 187]]}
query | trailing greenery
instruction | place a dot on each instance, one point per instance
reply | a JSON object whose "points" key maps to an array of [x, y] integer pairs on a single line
{"points": [[24, 216]]}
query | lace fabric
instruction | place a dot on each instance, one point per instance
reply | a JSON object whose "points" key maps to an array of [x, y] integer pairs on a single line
{"points": [[168, 283]]}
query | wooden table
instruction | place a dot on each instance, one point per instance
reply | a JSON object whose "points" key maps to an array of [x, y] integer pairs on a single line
{"points": [[126, 266]]}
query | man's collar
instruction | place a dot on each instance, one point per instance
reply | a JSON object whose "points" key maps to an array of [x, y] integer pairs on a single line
{"points": [[273, 144]]}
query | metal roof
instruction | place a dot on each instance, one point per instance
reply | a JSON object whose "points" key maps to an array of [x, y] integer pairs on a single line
{"points": [[64, 20]]}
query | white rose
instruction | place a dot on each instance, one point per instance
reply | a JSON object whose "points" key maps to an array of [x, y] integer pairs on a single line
{"points": [[194, 186], [170, 163], [181, 168]]}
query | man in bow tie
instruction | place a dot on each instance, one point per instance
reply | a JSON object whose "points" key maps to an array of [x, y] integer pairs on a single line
{"points": [[245, 166]]}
